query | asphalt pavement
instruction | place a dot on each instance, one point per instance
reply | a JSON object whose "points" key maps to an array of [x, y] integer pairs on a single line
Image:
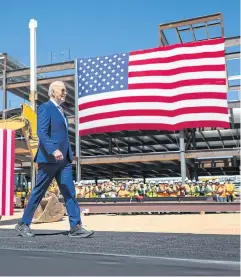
{"points": [[119, 254]]}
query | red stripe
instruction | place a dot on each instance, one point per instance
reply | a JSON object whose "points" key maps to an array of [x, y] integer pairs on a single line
{"points": [[181, 57], [194, 82], [170, 72], [4, 171], [180, 45], [179, 126], [161, 99], [172, 113], [12, 173]]}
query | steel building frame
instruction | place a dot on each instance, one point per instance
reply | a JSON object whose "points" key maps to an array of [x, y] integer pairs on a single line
{"points": [[138, 154]]}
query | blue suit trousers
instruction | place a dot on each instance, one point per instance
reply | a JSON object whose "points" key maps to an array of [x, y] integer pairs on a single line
{"points": [[62, 171]]}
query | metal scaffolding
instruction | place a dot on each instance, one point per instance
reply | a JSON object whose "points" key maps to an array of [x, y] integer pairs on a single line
{"points": [[137, 154]]}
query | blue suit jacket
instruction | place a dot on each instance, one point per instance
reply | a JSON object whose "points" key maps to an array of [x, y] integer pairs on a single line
{"points": [[52, 133]]}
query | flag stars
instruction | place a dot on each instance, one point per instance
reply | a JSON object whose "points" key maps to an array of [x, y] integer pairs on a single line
{"points": [[102, 74]]}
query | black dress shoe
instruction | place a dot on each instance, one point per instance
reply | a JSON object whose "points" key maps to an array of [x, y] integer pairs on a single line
{"points": [[24, 230], [80, 232]]}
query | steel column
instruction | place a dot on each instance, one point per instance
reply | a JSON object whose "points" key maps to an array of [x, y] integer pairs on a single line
{"points": [[77, 137], [182, 155], [4, 86], [33, 82]]}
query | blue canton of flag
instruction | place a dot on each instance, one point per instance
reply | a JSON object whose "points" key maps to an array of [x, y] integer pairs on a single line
{"points": [[102, 74]]}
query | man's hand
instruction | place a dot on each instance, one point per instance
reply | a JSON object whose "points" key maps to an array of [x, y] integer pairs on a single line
{"points": [[58, 155]]}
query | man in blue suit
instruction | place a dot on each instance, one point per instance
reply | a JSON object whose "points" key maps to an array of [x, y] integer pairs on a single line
{"points": [[54, 158]]}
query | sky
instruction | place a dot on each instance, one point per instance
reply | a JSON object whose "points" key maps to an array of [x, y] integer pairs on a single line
{"points": [[93, 28]]}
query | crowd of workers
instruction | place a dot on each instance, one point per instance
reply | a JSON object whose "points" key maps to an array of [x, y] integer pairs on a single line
{"points": [[222, 191]]}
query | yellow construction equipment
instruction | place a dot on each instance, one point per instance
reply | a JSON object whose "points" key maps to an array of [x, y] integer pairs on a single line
{"points": [[50, 209]]}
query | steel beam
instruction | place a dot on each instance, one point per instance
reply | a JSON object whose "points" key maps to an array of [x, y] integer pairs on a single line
{"points": [[42, 69], [164, 206], [190, 21], [233, 41], [149, 157], [41, 81], [234, 105], [232, 56]]}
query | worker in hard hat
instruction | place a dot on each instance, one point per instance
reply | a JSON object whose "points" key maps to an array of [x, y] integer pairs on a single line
{"points": [[229, 190]]}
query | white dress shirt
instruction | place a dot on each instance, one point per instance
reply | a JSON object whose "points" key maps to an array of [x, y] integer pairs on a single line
{"points": [[60, 109]]}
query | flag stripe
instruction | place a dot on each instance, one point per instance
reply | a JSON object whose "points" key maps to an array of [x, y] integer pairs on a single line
{"points": [[7, 156], [8, 171], [4, 175], [178, 78], [177, 64], [192, 90], [163, 53], [152, 98], [148, 112], [175, 71], [12, 173], [1, 168], [153, 106], [158, 119], [178, 84], [188, 45], [154, 126], [193, 56]]}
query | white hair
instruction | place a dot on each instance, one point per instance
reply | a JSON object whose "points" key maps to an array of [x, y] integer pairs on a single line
{"points": [[53, 85]]}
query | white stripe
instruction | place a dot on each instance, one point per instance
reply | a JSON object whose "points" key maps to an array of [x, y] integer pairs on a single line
{"points": [[1, 162], [162, 53], [178, 77], [220, 263], [177, 64], [8, 173], [153, 92], [153, 119], [154, 106]]}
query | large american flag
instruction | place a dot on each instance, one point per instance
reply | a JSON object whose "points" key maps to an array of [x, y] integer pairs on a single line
{"points": [[163, 88], [7, 157]]}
